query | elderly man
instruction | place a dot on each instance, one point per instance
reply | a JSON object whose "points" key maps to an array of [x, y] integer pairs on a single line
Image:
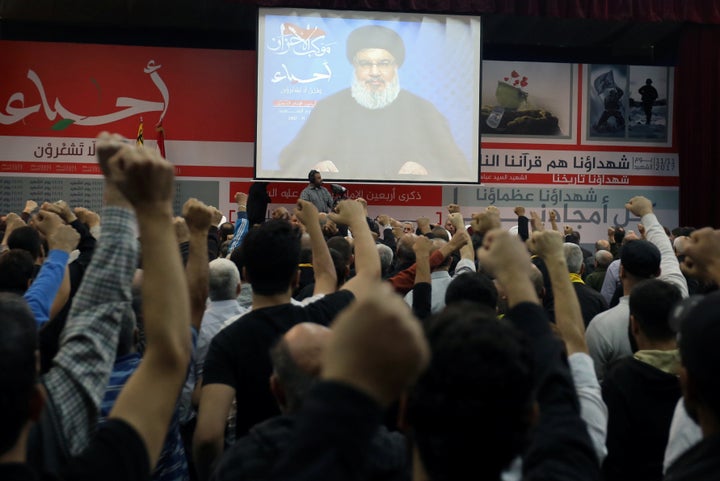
{"points": [[375, 129]]}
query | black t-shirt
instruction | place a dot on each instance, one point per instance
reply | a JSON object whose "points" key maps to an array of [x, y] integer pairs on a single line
{"points": [[116, 453], [239, 354]]}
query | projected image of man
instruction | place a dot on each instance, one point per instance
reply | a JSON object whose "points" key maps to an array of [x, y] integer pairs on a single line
{"points": [[375, 129]]}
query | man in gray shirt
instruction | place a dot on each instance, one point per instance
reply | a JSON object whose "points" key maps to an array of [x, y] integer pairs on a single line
{"points": [[316, 193]]}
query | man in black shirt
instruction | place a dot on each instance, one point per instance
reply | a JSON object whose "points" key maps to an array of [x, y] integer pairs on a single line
{"points": [[237, 364]]}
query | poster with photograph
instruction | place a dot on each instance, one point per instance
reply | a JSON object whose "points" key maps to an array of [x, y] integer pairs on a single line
{"points": [[607, 101], [648, 110], [526, 99]]}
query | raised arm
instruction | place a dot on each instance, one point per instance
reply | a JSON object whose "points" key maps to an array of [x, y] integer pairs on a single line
{"points": [[198, 217], [148, 399], [242, 224], [323, 267], [367, 259], [77, 381], [422, 291], [568, 316], [654, 232], [62, 239]]}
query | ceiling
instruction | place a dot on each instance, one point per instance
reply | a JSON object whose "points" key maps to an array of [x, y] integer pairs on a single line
{"points": [[230, 24]]}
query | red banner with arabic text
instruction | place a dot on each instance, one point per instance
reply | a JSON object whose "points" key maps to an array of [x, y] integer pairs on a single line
{"points": [[78, 90]]}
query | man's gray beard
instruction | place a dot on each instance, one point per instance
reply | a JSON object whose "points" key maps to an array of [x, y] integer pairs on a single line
{"points": [[371, 99]]}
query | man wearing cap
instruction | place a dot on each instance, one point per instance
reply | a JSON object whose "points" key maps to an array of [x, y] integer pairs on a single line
{"points": [[375, 129], [608, 334]]}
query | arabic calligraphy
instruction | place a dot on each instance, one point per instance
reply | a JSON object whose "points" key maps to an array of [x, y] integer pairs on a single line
{"points": [[15, 109], [294, 39], [292, 78], [64, 150]]}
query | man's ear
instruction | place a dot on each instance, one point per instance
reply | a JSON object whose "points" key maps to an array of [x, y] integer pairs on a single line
{"points": [[245, 275], [582, 268], [296, 280], [238, 289]]}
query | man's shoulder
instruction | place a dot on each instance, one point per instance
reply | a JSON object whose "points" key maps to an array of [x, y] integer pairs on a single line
{"points": [[608, 322], [332, 100], [405, 97]]}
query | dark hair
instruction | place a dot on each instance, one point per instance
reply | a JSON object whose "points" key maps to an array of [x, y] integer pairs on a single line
{"points": [[311, 175], [699, 340], [295, 381], [16, 270], [651, 303], [237, 257], [470, 411], [641, 259], [226, 229], [271, 253], [341, 267], [18, 374], [342, 246], [474, 287], [26, 238]]}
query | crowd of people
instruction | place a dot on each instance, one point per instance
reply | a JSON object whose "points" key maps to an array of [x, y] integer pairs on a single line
{"points": [[323, 344]]}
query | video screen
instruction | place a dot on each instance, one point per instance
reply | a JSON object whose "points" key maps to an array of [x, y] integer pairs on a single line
{"points": [[365, 96]]}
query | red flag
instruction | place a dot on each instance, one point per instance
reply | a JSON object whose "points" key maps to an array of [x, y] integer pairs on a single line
{"points": [[161, 138]]}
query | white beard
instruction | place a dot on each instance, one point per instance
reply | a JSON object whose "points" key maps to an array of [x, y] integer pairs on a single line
{"points": [[372, 99]]}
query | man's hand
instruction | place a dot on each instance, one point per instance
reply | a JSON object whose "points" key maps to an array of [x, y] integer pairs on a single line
{"points": [[567, 230], [30, 206], [457, 221], [506, 257], [383, 220], [12, 222], [453, 208], [377, 346], [182, 233], [198, 216], [502, 253], [59, 236], [87, 217], [547, 244], [641, 230], [280, 213], [519, 211], [535, 221], [348, 211], [216, 215], [553, 216], [144, 178], [48, 223], [702, 255], [423, 224], [62, 209], [422, 246], [485, 221], [307, 213], [639, 206], [241, 199]]}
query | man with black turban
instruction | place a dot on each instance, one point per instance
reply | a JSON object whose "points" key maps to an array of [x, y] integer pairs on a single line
{"points": [[375, 129]]}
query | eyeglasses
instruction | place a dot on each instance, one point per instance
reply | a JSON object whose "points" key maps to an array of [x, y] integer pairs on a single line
{"points": [[382, 65]]}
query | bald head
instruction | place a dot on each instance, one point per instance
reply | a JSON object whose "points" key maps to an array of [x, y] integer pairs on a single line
{"points": [[679, 244], [305, 343], [297, 359], [602, 245]]}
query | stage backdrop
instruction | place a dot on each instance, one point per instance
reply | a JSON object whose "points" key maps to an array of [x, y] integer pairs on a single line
{"points": [[570, 143]]}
